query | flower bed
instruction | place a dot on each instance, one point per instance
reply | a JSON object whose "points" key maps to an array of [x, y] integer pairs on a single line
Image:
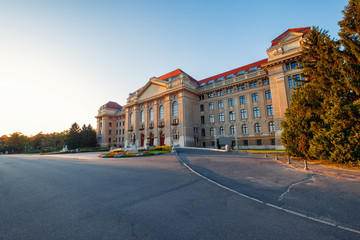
{"points": [[130, 154]]}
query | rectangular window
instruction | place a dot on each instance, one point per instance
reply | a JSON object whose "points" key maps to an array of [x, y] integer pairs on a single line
{"points": [[288, 66], [297, 79], [251, 85], [219, 93], [269, 110], [265, 81], [254, 97], [243, 114], [232, 115], [212, 119], [259, 142], [201, 107], [221, 117], [109, 140], [242, 87], [268, 94], [220, 104], [202, 119], [110, 124], [256, 112], [290, 82], [229, 90], [272, 141], [211, 106], [109, 132], [231, 102], [294, 65], [246, 142], [255, 84], [210, 95], [242, 99]]}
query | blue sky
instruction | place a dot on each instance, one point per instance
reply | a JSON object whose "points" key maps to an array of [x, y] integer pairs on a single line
{"points": [[61, 60]]}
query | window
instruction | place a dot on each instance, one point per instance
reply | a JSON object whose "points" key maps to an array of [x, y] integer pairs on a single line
{"points": [[210, 95], [175, 134], [266, 81], [294, 65], [110, 124], [222, 131], [211, 82], [271, 127], [175, 109], [161, 112], [211, 106], [244, 129], [241, 87], [273, 141], [229, 90], [219, 93], [174, 96], [220, 79], [230, 76], [203, 84], [195, 129], [151, 114], [290, 82], [109, 132], [242, 99], [241, 72], [243, 113], [254, 97], [246, 142], [131, 118], [201, 107], [202, 119], [251, 85], [109, 139], [269, 110], [254, 84], [296, 80], [221, 117], [220, 104], [142, 116], [212, 131], [232, 115], [203, 132], [212, 119], [232, 130], [253, 69], [268, 94], [258, 142], [231, 102], [256, 112], [161, 101], [257, 128]]}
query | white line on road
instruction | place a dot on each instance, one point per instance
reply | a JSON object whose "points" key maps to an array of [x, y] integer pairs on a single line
{"points": [[267, 204]]}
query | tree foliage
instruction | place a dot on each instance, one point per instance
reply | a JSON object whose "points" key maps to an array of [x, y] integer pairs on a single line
{"points": [[80, 137], [323, 120]]}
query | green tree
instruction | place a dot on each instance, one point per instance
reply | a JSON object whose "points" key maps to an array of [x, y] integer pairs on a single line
{"points": [[323, 120], [73, 137], [88, 136]]}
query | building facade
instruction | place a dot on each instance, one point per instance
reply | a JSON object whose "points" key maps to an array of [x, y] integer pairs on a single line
{"points": [[245, 104]]}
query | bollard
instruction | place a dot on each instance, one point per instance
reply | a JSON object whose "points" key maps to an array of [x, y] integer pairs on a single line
{"points": [[289, 160], [277, 156], [266, 155], [306, 166]]}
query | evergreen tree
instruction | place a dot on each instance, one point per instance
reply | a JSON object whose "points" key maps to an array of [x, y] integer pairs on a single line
{"points": [[73, 138]]}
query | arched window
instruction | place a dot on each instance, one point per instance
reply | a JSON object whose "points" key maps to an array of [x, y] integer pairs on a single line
{"points": [[271, 127], [161, 112], [212, 132], [151, 114], [232, 130], [131, 118], [222, 131], [142, 116], [175, 109], [244, 129], [257, 128]]}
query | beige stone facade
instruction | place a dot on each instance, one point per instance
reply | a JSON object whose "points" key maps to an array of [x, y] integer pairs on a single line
{"points": [[245, 105]]}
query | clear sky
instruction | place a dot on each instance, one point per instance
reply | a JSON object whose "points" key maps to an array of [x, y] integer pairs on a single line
{"points": [[61, 60]]}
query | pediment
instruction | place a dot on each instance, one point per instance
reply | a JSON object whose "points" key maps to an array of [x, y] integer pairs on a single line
{"points": [[152, 88], [289, 36]]}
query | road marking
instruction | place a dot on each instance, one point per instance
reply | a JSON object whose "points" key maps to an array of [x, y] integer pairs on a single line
{"points": [[267, 204]]}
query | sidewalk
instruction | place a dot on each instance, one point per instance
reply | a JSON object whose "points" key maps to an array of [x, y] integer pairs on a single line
{"points": [[351, 175]]}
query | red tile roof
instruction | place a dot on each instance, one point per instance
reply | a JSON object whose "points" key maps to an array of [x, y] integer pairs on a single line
{"points": [[235, 71], [113, 105], [170, 74], [304, 30]]}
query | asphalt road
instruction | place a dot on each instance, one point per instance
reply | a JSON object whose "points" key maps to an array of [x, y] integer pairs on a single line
{"points": [[79, 196]]}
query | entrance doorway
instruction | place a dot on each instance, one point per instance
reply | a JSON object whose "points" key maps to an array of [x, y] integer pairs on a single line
{"points": [[162, 139], [142, 140]]}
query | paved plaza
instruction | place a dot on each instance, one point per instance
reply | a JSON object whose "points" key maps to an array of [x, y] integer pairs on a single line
{"points": [[193, 194]]}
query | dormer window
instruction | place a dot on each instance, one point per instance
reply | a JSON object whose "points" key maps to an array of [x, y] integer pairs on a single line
{"points": [[211, 81], [241, 72], [220, 79], [203, 84], [253, 69], [230, 76]]}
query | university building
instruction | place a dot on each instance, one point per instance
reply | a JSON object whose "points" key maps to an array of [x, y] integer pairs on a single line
{"points": [[247, 104]]}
